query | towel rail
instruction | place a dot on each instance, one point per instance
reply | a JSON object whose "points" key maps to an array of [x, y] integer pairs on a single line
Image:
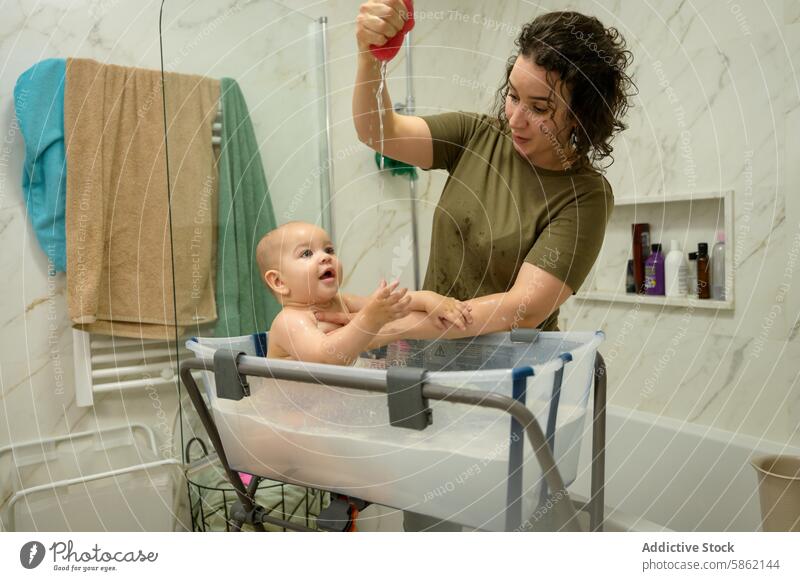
{"points": [[109, 364], [126, 356], [133, 384], [158, 368], [216, 127]]}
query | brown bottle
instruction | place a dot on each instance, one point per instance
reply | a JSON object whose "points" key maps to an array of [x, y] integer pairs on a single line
{"points": [[641, 250], [703, 272]]}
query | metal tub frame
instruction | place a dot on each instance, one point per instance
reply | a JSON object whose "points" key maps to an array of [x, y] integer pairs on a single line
{"points": [[565, 515]]}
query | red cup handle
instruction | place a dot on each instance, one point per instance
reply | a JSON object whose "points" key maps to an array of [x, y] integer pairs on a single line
{"points": [[389, 50]]}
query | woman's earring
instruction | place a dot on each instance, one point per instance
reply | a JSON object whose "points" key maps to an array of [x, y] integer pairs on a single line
{"points": [[573, 139]]}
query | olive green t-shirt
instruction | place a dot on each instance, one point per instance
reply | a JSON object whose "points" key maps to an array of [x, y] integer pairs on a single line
{"points": [[497, 211]]}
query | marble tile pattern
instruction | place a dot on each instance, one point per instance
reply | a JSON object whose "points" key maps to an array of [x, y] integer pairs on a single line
{"points": [[733, 68], [735, 92]]}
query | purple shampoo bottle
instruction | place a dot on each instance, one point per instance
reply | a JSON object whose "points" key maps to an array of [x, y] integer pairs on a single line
{"points": [[654, 272]]}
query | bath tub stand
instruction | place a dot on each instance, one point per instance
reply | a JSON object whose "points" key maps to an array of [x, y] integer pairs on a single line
{"points": [[231, 383]]}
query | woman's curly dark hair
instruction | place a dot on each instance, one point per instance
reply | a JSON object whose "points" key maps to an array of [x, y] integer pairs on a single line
{"points": [[591, 60]]}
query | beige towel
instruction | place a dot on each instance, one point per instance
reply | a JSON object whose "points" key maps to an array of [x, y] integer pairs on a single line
{"points": [[119, 271]]}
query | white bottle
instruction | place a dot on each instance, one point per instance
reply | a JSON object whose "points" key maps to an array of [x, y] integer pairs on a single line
{"points": [[675, 272], [718, 268]]}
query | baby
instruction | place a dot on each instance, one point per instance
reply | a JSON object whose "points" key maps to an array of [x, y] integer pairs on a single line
{"points": [[298, 264]]}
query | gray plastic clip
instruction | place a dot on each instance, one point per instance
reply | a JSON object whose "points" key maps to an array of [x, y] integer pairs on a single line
{"points": [[230, 383], [407, 407], [524, 335]]}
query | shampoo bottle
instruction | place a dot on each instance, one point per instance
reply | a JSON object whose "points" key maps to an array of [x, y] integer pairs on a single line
{"points": [[675, 271], [654, 272]]}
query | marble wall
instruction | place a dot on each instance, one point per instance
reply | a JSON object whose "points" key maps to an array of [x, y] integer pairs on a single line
{"points": [[734, 70]]}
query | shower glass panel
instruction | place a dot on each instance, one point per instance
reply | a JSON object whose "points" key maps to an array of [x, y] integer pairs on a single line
{"points": [[219, 61], [247, 142], [275, 55]]}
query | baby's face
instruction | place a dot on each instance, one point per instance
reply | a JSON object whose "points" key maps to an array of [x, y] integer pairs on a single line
{"points": [[309, 266]]}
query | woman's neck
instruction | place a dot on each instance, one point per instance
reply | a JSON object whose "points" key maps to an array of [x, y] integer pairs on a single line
{"points": [[554, 162]]}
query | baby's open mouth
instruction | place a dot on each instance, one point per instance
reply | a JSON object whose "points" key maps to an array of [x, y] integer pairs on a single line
{"points": [[328, 274]]}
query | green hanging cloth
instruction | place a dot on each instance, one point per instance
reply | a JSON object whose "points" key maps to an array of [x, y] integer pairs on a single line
{"points": [[244, 305]]}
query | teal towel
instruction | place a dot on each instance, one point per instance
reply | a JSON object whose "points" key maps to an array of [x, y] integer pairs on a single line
{"points": [[39, 105], [244, 305]]}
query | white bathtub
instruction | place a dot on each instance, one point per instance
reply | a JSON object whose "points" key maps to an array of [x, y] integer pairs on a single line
{"points": [[661, 472]]}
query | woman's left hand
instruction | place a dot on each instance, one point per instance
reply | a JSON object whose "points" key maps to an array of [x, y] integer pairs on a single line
{"points": [[334, 317], [447, 311]]}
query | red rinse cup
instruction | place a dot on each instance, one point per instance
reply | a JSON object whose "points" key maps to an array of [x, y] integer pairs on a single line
{"points": [[389, 50]]}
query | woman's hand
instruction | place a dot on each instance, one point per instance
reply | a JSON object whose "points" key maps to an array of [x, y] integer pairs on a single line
{"points": [[378, 21], [446, 311], [334, 317]]}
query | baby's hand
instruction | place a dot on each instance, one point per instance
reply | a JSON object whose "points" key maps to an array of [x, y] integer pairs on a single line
{"points": [[387, 303], [449, 310]]}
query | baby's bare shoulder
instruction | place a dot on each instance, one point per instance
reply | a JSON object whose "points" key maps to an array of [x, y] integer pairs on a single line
{"points": [[293, 323], [292, 320], [289, 324]]}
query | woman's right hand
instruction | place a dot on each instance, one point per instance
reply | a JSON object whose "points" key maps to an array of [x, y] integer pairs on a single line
{"points": [[378, 21]]}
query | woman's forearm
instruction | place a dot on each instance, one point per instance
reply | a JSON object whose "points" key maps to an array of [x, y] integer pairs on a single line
{"points": [[365, 106], [490, 314]]}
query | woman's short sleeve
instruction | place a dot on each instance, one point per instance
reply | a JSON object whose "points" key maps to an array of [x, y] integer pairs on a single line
{"points": [[570, 243], [450, 133]]}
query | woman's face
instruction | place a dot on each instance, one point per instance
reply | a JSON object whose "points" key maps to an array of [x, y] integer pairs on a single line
{"points": [[538, 115]]}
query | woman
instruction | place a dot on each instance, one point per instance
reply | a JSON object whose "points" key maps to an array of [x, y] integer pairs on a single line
{"points": [[522, 216]]}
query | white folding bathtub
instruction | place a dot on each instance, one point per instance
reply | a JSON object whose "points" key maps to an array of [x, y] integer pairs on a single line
{"points": [[322, 426]]}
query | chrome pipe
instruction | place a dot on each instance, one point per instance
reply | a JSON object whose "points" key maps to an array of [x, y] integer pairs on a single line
{"points": [[326, 157], [412, 187]]}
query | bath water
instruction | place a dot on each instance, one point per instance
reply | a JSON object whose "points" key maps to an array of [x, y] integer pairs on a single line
{"points": [[460, 469]]}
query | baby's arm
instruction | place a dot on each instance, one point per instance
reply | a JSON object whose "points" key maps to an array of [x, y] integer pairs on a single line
{"points": [[354, 303], [296, 332], [444, 309]]}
